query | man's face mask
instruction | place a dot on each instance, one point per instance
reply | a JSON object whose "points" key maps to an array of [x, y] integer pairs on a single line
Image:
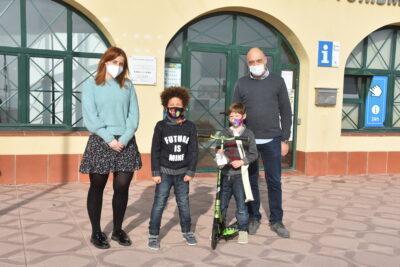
{"points": [[257, 70], [175, 112]]}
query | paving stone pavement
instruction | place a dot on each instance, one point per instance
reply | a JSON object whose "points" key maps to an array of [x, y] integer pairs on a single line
{"points": [[334, 221]]}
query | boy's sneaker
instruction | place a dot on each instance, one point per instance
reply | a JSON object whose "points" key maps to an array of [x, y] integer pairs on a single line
{"points": [[280, 229], [243, 237], [189, 238], [253, 226], [154, 243]]}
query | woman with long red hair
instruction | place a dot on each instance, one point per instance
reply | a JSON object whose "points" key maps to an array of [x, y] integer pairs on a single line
{"points": [[111, 114]]}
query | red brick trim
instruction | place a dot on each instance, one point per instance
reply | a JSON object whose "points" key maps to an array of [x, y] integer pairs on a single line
{"points": [[25, 169], [370, 134], [44, 133], [348, 163]]}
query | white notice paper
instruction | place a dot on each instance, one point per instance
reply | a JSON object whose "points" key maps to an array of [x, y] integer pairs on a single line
{"points": [[143, 69], [287, 76], [335, 54], [172, 73]]}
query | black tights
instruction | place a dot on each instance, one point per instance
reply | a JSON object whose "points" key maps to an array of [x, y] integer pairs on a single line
{"points": [[98, 182]]}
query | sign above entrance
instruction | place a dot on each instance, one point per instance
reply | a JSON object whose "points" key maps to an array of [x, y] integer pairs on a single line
{"points": [[378, 2], [143, 69], [375, 107], [328, 54]]}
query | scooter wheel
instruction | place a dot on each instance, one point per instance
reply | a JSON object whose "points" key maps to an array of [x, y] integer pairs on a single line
{"points": [[215, 234]]}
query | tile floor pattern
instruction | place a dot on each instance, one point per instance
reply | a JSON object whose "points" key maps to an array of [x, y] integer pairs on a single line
{"points": [[334, 221]]}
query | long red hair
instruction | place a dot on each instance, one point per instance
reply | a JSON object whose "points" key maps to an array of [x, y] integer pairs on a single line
{"points": [[112, 53]]}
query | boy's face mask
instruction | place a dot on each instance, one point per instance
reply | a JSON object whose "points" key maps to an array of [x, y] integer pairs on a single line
{"points": [[237, 122], [175, 112], [236, 119]]}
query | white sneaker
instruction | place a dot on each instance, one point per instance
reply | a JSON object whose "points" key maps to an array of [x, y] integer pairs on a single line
{"points": [[243, 237]]}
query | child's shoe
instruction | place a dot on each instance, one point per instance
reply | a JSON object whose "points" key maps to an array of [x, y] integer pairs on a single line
{"points": [[154, 243], [243, 237], [189, 238]]}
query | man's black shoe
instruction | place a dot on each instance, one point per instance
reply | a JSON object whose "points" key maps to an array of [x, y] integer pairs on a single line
{"points": [[121, 237], [280, 229], [99, 240]]}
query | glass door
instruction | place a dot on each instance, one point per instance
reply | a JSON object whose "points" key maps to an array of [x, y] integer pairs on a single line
{"points": [[208, 86]]}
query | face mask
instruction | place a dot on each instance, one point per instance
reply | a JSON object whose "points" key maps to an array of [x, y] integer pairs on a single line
{"points": [[257, 70], [178, 112], [114, 70], [237, 122]]}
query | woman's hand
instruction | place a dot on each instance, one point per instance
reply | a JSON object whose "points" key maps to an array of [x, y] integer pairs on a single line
{"points": [[187, 178], [237, 163], [157, 179], [115, 145]]}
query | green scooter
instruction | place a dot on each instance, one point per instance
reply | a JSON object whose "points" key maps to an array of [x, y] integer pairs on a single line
{"points": [[219, 229]]}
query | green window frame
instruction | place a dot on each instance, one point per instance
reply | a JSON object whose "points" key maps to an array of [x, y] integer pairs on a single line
{"points": [[53, 54], [198, 36], [376, 54]]}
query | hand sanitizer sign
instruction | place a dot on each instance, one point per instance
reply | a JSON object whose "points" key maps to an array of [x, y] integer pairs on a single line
{"points": [[328, 54], [375, 106]]}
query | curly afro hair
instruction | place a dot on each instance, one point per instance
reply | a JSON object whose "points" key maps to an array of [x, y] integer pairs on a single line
{"points": [[179, 92]]}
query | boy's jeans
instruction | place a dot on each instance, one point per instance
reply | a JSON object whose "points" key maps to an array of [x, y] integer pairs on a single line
{"points": [[181, 190], [234, 185]]}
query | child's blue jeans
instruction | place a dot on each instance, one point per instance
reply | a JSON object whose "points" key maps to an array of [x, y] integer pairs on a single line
{"points": [[181, 190], [234, 185]]}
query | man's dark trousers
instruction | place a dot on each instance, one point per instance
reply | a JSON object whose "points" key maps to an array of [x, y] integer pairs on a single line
{"points": [[271, 156]]}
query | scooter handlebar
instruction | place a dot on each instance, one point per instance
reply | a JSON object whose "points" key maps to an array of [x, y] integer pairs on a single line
{"points": [[204, 136], [222, 137]]}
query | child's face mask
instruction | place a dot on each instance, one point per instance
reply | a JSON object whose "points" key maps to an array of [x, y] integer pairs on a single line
{"points": [[237, 122], [236, 119], [175, 112]]}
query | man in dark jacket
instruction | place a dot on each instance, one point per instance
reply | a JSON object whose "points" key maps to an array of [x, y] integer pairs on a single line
{"points": [[269, 116]]}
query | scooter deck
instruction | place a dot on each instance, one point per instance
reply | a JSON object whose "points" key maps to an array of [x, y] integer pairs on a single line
{"points": [[219, 231]]}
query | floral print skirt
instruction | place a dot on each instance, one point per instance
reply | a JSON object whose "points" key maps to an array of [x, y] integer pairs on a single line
{"points": [[102, 159]]}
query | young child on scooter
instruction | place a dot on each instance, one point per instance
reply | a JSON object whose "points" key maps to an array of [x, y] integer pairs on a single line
{"points": [[240, 155], [173, 163]]}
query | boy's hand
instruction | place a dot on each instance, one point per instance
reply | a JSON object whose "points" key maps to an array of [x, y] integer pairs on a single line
{"points": [[157, 179], [237, 163], [220, 151], [187, 178]]}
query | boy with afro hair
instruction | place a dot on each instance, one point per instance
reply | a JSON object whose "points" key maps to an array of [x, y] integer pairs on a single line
{"points": [[173, 163]]}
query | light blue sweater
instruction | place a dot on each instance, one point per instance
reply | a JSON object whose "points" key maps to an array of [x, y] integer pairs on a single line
{"points": [[110, 110]]}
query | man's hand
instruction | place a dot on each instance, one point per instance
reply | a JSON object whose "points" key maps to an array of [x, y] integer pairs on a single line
{"points": [[284, 148], [157, 179], [237, 163], [115, 145], [187, 178]]}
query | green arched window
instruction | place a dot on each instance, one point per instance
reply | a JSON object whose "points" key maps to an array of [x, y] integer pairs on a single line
{"points": [[208, 56], [47, 51], [377, 55]]}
